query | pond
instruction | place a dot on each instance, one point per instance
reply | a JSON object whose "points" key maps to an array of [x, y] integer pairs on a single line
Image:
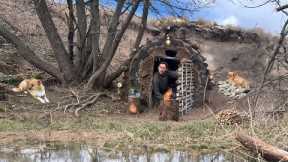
{"points": [[85, 153]]}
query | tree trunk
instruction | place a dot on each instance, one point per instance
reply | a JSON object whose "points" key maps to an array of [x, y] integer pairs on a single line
{"points": [[95, 34], [70, 19], [125, 66], [29, 54], [82, 35], [109, 79], [62, 57], [107, 47], [122, 30], [268, 152], [110, 52], [142, 26]]}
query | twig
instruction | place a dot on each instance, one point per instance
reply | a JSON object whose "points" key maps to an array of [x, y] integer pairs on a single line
{"points": [[51, 118], [75, 95], [70, 105], [205, 90], [270, 64], [282, 7]]}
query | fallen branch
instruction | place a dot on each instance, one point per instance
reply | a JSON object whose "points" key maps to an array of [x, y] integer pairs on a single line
{"points": [[73, 105], [75, 94], [90, 102], [267, 151]]}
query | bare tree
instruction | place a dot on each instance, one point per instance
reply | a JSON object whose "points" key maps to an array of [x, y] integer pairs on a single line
{"points": [[84, 59]]}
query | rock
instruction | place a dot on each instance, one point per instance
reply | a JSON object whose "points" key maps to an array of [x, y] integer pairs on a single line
{"points": [[229, 90], [221, 82]]}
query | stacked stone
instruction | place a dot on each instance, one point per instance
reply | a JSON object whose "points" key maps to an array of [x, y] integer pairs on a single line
{"points": [[230, 90]]}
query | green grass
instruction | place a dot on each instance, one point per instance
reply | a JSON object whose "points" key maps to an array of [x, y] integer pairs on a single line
{"points": [[202, 134], [14, 125]]}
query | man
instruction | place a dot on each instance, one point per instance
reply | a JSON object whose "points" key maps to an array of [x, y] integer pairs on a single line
{"points": [[162, 80]]}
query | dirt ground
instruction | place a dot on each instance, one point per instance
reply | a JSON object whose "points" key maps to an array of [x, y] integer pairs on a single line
{"points": [[23, 109], [60, 98]]}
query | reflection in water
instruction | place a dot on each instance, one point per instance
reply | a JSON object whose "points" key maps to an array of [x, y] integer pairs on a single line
{"points": [[82, 153]]}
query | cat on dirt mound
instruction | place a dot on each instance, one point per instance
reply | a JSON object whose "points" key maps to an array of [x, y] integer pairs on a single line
{"points": [[35, 87], [168, 107]]}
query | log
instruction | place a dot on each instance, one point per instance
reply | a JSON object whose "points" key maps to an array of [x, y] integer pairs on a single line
{"points": [[267, 151]]}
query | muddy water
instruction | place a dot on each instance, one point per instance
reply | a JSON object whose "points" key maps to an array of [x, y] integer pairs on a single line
{"points": [[84, 153]]}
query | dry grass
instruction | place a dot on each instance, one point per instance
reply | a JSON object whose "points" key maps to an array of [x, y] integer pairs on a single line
{"points": [[205, 23], [115, 131], [168, 21]]}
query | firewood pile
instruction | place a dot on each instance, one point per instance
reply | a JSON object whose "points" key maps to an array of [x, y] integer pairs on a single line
{"points": [[187, 87], [230, 90], [230, 117]]}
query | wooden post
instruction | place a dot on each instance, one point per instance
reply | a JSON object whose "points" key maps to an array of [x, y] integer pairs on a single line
{"points": [[267, 151]]}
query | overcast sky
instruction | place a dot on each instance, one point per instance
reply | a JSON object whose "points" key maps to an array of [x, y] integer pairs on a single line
{"points": [[233, 12]]}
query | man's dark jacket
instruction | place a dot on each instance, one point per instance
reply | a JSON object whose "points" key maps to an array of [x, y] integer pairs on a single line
{"points": [[161, 83]]}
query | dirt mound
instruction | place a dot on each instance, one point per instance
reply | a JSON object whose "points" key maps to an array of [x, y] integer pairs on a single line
{"points": [[225, 48]]}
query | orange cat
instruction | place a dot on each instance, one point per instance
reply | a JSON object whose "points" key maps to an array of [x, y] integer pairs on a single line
{"points": [[168, 108], [238, 81]]}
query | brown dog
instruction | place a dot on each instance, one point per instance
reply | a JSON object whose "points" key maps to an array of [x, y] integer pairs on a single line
{"points": [[34, 87], [238, 81], [168, 108]]}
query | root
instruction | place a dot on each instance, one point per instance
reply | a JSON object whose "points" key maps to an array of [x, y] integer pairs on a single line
{"points": [[82, 101], [91, 100]]}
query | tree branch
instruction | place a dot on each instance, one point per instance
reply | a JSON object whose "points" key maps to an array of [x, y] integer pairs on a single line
{"points": [[142, 26], [70, 22], [62, 57], [82, 33], [123, 28], [95, 33], [125, 66], [270, 64], [107, 47], [29, 54], [280, 8]]}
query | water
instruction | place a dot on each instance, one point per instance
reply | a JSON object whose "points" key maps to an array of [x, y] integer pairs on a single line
{"points": [[84, 153]]}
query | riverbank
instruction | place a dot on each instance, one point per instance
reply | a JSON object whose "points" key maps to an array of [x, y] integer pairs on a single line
{"points": [[118, 131]]}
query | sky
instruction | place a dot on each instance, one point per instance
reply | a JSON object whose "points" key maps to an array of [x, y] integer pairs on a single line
{"points": [[234, 13]]}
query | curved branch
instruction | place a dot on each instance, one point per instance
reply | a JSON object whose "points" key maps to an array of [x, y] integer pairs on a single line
{"points": [[125, 66], [62, 57], [280, 8], [270, 64], [29, 55], [107, 50]]}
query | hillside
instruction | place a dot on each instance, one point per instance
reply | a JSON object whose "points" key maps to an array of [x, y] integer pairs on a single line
{"points": [[23, 17], [226, 48], [105, 122]]}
